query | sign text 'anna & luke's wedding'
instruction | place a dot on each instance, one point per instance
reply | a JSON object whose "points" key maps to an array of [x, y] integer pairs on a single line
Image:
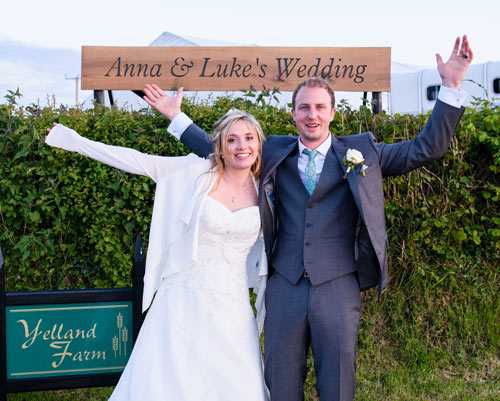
{"points": [[234, 68]]}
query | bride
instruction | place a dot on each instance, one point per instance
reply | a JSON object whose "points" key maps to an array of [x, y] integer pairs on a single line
{"points": [[200, 339]]}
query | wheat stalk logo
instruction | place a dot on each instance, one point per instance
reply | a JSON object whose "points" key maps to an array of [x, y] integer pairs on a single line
{"points": [[125, 339], [115, 344], [120, 340], [119, 324]]}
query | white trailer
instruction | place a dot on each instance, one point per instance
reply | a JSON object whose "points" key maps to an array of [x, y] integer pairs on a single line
{"points": [[416, 92]]}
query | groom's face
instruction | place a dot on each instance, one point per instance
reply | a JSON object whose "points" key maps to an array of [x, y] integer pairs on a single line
{"points": [[312, 115]]}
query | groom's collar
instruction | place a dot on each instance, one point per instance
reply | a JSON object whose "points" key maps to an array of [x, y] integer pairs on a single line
{"points": [[323, 148]]}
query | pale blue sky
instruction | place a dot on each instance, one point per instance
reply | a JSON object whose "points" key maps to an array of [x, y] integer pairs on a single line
{"points": [[414, 30]]}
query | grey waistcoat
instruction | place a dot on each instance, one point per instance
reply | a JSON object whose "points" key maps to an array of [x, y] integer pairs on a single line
{"points": [[315, 233]]}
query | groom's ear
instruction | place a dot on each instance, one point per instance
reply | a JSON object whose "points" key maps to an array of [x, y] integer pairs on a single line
{"points": [[292, 111], [332, 115]]}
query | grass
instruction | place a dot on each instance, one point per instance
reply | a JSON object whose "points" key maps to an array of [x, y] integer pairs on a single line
{"points": [[380, 377], [398, 382], [87, 394], [423, 342]]}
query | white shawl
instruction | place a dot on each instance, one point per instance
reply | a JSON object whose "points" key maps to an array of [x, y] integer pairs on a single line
{"points": [[182, 184]]}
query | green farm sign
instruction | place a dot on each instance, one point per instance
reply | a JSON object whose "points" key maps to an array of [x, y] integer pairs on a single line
{"points": [[68, 339]]}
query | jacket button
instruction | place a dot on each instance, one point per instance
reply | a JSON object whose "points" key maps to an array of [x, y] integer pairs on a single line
{"points": [[308, 244], [308, 224]]}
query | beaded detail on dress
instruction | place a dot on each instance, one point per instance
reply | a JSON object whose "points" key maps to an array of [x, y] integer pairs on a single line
{"points": [[225, 239]]}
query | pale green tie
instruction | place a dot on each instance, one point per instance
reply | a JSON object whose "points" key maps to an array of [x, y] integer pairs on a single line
{"points": [[310, 171]]}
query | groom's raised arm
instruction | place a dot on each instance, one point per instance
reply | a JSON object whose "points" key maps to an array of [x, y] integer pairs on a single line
{"points": [[181, 126], [196, 139], [434, 139]]}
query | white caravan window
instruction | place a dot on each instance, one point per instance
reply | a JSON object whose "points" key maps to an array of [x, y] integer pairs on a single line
{"points": [[496, 85], [432, 92]]}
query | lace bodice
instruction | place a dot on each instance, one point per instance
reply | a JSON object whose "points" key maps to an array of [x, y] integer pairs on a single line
{"points": [[225, 239]]}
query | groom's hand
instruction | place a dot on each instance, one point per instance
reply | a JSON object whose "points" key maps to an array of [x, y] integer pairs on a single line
{"points": [[453, 71], [169, 106]]}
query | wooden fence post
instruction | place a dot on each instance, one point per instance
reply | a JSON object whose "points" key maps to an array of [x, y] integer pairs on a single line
{"points": [[377, 102], [99, 96], [138, 269], [3, 340]]}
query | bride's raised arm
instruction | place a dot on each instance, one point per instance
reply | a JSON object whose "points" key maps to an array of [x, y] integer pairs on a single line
{"points": [[126, 159]]}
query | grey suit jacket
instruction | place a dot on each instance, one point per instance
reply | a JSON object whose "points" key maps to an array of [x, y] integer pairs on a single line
{"points": [[382, 160]]}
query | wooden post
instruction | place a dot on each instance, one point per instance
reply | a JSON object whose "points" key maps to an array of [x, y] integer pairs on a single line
{"points": [[138, 269], [3, 333], [111, 100], [377, 102], [141, 94], [99, 96]]}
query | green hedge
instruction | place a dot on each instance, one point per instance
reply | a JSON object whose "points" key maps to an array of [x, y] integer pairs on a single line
{"points": [[69, 222]]}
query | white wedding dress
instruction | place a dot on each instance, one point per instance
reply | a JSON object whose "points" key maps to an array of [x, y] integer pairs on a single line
{"points": [[199, 341]]}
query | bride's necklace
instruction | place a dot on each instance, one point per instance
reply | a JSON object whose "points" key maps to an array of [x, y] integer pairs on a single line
{"points": [[233, 195]]}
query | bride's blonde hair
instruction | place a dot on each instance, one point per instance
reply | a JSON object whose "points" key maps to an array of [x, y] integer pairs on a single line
{"points": [[220, 133]]}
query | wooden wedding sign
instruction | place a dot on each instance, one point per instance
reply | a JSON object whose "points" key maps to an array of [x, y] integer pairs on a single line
{"points": [[364, 69]]}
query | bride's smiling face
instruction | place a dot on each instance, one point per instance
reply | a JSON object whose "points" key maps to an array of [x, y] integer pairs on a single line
{"points": [[241, 146]]}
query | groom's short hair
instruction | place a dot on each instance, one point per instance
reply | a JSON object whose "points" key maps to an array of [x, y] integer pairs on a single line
{"points": [[314, 82]]}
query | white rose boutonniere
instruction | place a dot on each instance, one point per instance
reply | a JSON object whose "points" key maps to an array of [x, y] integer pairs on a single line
{"points": [[352, 159]]}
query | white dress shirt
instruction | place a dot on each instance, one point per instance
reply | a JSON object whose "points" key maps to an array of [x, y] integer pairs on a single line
{"points": [[319, 160]]}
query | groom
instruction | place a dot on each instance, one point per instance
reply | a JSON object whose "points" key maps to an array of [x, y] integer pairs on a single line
{"points": [[324, 225]]}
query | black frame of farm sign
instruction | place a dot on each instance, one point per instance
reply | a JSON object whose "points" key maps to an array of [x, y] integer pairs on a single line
{"points": [[68, 339]]}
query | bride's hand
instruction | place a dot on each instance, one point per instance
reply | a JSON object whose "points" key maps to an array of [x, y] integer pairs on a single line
{"points": [[50, 129], [169, 106]]}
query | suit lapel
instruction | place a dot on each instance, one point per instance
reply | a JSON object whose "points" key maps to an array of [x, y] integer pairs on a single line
{"points": [[267, 187], [276, 157], [340, 150]]}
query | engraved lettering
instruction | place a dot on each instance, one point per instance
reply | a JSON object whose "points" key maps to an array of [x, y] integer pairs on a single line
{"points": [[287, 67], [156, 70], [31, 336], [326, 71], [360, 70], [205, 63], [246, 71], [300, 71], [179, 69], [262, 70], [315, 68], [63, 354], [115, 66]]}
